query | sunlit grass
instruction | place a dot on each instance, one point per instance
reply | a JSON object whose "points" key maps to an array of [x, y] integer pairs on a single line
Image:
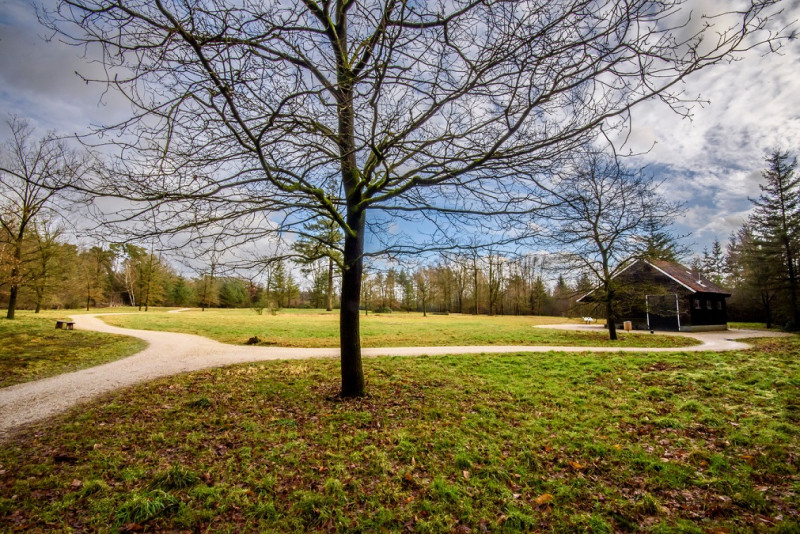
{"points": [[32, 348], [291, 328]]}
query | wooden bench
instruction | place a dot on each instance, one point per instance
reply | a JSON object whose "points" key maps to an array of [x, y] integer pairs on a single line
{"points": [[68, 325]]}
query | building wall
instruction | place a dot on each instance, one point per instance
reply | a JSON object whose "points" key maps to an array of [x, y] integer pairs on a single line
{"points": [[708, 309], [696, 310]]}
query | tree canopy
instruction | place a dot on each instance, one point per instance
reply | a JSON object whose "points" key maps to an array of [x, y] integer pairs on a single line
{"points": [[254, 117]]}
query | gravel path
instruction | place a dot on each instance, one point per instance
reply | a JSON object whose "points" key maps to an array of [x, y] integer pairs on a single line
{"points": [[171, 353]]}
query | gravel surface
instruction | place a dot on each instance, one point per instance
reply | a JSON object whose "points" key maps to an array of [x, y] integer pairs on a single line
{"points": [[171, 353]]}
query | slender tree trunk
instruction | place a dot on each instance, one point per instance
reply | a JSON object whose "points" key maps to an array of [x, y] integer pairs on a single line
{"points": [[39, 299], [329, 306], [765, 298], [792, 283], [475, 284], [15, 273]]}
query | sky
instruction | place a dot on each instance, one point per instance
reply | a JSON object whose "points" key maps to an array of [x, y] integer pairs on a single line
{"points": [[712, 161]]}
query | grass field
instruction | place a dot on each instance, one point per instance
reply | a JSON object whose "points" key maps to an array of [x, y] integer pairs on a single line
{"points": [[700, 442], [32, 348], [303, 328], [752, 326]]}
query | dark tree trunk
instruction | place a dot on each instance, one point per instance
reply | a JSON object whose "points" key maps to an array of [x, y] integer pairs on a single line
{"points": [[15, 273], [765, 298], [611, 318], [12, 298], [792, 284], [329, 306], [349, 331]]}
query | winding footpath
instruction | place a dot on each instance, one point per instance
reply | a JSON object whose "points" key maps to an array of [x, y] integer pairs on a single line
{"points": [[172, 353]]}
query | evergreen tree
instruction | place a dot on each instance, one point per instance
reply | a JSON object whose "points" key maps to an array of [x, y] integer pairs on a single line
{"points": [[179, 292], [657, 243], [776, 223], [713, 263], [321, 240]]}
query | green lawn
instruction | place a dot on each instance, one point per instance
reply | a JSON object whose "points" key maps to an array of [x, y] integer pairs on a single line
{"points": [[32, 348], [303, 328], [684, 442], [752, 326]]}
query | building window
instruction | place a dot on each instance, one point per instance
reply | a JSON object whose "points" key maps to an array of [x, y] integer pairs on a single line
{"points": [[697, 304], [719, 305], [709, 305]]}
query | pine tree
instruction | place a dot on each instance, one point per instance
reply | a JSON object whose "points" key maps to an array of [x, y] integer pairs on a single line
{"points": [[321, 240], [713, 263], [659, 244], [776, 223]]}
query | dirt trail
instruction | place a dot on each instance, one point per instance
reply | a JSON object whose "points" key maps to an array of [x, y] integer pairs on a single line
{"points": [[171, 353]]}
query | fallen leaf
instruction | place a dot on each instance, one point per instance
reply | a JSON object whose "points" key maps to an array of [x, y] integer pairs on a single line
{"points": [[544, 498], [516, 495], [466, 474], [617, 446], [576, 465], [76, 483]]}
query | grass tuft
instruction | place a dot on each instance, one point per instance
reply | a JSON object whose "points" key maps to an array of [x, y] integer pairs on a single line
{"points": [[142, 507], [176, 477]]}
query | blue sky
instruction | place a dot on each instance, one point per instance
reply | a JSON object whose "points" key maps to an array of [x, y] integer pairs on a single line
{"points": [[711, 161]]}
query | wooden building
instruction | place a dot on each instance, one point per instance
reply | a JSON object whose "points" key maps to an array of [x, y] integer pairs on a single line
{"points": [[661, 295]]}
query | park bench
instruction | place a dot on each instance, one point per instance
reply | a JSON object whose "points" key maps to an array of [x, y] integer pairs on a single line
{"points": [[69, 325]]}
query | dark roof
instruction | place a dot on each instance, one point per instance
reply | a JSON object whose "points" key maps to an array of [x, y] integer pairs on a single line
{"points": [[677, 272], [684, 276]]}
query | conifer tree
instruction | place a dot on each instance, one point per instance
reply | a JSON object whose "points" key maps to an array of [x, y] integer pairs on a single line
{"points": [[776, 223]]}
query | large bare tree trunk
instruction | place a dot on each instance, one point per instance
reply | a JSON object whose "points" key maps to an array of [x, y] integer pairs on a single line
{"points": [[352, 372]]}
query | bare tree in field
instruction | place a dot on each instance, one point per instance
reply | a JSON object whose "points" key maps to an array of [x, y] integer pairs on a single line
{"points": [[601, 212], [33, 174], [260, 115]]}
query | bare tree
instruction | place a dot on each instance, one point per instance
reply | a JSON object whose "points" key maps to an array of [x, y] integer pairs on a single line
{"points": [[602, 210], [33, 173], [262, 115]]}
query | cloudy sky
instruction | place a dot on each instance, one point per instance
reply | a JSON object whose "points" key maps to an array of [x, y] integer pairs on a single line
{"points": [[712, 161]]}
